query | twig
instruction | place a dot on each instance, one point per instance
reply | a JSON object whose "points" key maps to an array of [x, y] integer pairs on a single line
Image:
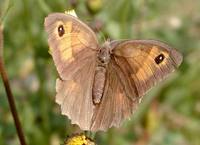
{"points": [[9, 92]]}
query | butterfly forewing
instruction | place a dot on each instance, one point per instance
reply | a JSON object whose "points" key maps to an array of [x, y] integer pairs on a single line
{"points": [[71, 43], [144, 63]]}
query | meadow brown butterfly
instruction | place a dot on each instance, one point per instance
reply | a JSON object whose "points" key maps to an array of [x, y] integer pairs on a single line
{"points": [[101, 85]]}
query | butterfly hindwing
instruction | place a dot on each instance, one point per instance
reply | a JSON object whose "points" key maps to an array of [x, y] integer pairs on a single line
{"points": [[75, 96], [115, 106]]}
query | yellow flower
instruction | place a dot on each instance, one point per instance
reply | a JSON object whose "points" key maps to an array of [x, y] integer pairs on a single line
{"points": [[79, 139]]}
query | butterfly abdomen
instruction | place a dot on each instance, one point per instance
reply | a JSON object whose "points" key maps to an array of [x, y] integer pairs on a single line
{"points": [[98, 84]]}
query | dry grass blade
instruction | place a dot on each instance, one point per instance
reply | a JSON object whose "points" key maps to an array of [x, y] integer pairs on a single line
{"points": [[1, 41], [10, 97]]}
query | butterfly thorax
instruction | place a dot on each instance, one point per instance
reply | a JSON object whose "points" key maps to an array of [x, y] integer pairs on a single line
{"points": [[100, 73]]}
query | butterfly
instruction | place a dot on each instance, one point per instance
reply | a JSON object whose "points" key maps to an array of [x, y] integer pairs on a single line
{"points": [[101, 85]]}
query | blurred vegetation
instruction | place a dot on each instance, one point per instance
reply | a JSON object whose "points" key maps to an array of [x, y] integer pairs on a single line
{"points": [[168, 115]]}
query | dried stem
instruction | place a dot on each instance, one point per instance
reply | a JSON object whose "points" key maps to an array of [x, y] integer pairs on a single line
{"points": [[9, 92]]}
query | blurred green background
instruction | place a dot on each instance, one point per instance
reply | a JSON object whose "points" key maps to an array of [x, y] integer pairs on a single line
{"points": [[168, 115]]}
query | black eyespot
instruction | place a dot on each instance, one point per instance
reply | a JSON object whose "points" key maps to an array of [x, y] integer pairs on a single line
{"points": [[61, 30], [159, 58]]}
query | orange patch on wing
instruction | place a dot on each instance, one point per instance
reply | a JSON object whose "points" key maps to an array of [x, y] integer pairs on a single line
{"points": [[65, 44], [68, 27], [66, 51], [148, 64]]}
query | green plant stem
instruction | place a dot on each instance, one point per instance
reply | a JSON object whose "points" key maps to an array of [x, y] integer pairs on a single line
{"points": [[10, 97]]}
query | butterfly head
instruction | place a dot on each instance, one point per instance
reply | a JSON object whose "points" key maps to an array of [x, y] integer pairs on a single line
{"points": [[104, 53]]}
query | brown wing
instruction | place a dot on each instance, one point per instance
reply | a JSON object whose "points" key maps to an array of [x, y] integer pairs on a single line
{"points": [[134, 68], [144, 63], [115, 106], [71, 43], [73, 46], [75, 96]]}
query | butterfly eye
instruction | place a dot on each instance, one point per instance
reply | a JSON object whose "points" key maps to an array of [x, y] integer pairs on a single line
{"points": [[61, 30], [159, 58]]}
